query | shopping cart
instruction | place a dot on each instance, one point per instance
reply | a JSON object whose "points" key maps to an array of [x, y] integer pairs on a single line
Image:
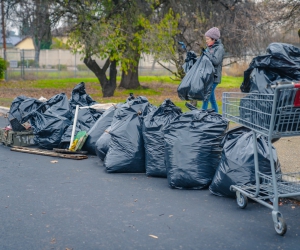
{"points": [[273, 115]]}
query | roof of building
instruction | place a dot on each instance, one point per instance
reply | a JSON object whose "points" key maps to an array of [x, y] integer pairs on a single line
{"points": [[11, 41]]}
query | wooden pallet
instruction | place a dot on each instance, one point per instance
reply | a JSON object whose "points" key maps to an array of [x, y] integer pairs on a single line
{"points": [[48, 153]]}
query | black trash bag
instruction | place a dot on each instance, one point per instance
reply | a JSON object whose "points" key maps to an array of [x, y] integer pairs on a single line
{"points": [[14, 112], [253, 111], [190, 60], [197, 83], [50, 121], [20, 107], [88, 116], [102, 144], [237, 161], [126, 152], [192, 148], [98, 129], [154, 137], [29, 105], [130, 97], [282, 63]]}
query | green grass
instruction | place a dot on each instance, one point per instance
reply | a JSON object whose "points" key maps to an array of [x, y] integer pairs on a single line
{"points": [[155, 88], [61, 83], [159, 79], [44, 74], [229, 82]]}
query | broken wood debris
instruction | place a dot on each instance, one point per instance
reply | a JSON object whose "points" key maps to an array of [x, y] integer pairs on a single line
{"points": [[48, 153]]}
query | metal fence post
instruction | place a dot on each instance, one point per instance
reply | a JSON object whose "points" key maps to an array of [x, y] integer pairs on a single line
{"points": [[75, 67], [22, 64]]}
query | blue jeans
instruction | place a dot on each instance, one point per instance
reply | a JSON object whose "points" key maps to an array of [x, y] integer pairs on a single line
{"points": [[212, 99]]}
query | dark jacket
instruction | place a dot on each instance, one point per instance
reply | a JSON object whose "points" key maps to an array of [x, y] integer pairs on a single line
{"points": [[216, 54]]}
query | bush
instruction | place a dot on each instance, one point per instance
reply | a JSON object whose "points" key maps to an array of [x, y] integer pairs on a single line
{"points": [[28, 63], [82, 67], [3, 65], [61, 67]]}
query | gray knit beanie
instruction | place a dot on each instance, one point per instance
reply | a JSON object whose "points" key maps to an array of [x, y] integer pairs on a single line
{"points": [[213, 33]]}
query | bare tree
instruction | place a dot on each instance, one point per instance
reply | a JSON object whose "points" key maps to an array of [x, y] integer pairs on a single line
{"points": [[33, 18], [238, 21], [283, 18]]}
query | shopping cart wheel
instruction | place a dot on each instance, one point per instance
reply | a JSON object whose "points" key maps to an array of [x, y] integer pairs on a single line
{"points": [[280, 226], [241, 200]]}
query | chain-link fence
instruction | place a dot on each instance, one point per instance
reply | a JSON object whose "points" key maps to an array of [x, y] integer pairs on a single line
{"points": [[55, 64]]}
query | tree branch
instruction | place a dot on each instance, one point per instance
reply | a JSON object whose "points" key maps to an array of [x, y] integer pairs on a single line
{"points": [[166, 68]]}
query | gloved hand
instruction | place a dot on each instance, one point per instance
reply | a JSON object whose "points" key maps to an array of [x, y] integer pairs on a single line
{"points": [[190, 56]]}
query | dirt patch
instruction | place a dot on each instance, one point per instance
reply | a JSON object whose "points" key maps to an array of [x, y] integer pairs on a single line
{"points": [[288, 149], [219, 91]]}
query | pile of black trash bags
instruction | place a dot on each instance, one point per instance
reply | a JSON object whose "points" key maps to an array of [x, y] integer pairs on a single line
{"points": [[52, 120], [281, 64], [193, 150]]}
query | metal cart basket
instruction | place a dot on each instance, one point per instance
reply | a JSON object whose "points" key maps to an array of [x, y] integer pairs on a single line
{"points": [[273, 115]]}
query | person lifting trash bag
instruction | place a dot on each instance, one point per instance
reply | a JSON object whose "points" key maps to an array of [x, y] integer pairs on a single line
{"points": [[198, 81], [192, 148], [237, 161], [190, 59], [201, 80]]}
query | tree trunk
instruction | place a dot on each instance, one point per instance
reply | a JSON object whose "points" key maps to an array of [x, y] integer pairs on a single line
{"points": [[37, 57], [37, 49], [110, 88], [130, 80], [108, 85]]}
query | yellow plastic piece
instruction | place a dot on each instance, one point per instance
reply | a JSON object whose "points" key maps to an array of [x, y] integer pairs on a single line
{"points": [[73, 146]]}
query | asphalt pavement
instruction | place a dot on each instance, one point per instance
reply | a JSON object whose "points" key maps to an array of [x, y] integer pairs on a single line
{"points": [[56, 203]]}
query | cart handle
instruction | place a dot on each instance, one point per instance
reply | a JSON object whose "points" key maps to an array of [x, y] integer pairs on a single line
{"points": [[296, 84]]}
